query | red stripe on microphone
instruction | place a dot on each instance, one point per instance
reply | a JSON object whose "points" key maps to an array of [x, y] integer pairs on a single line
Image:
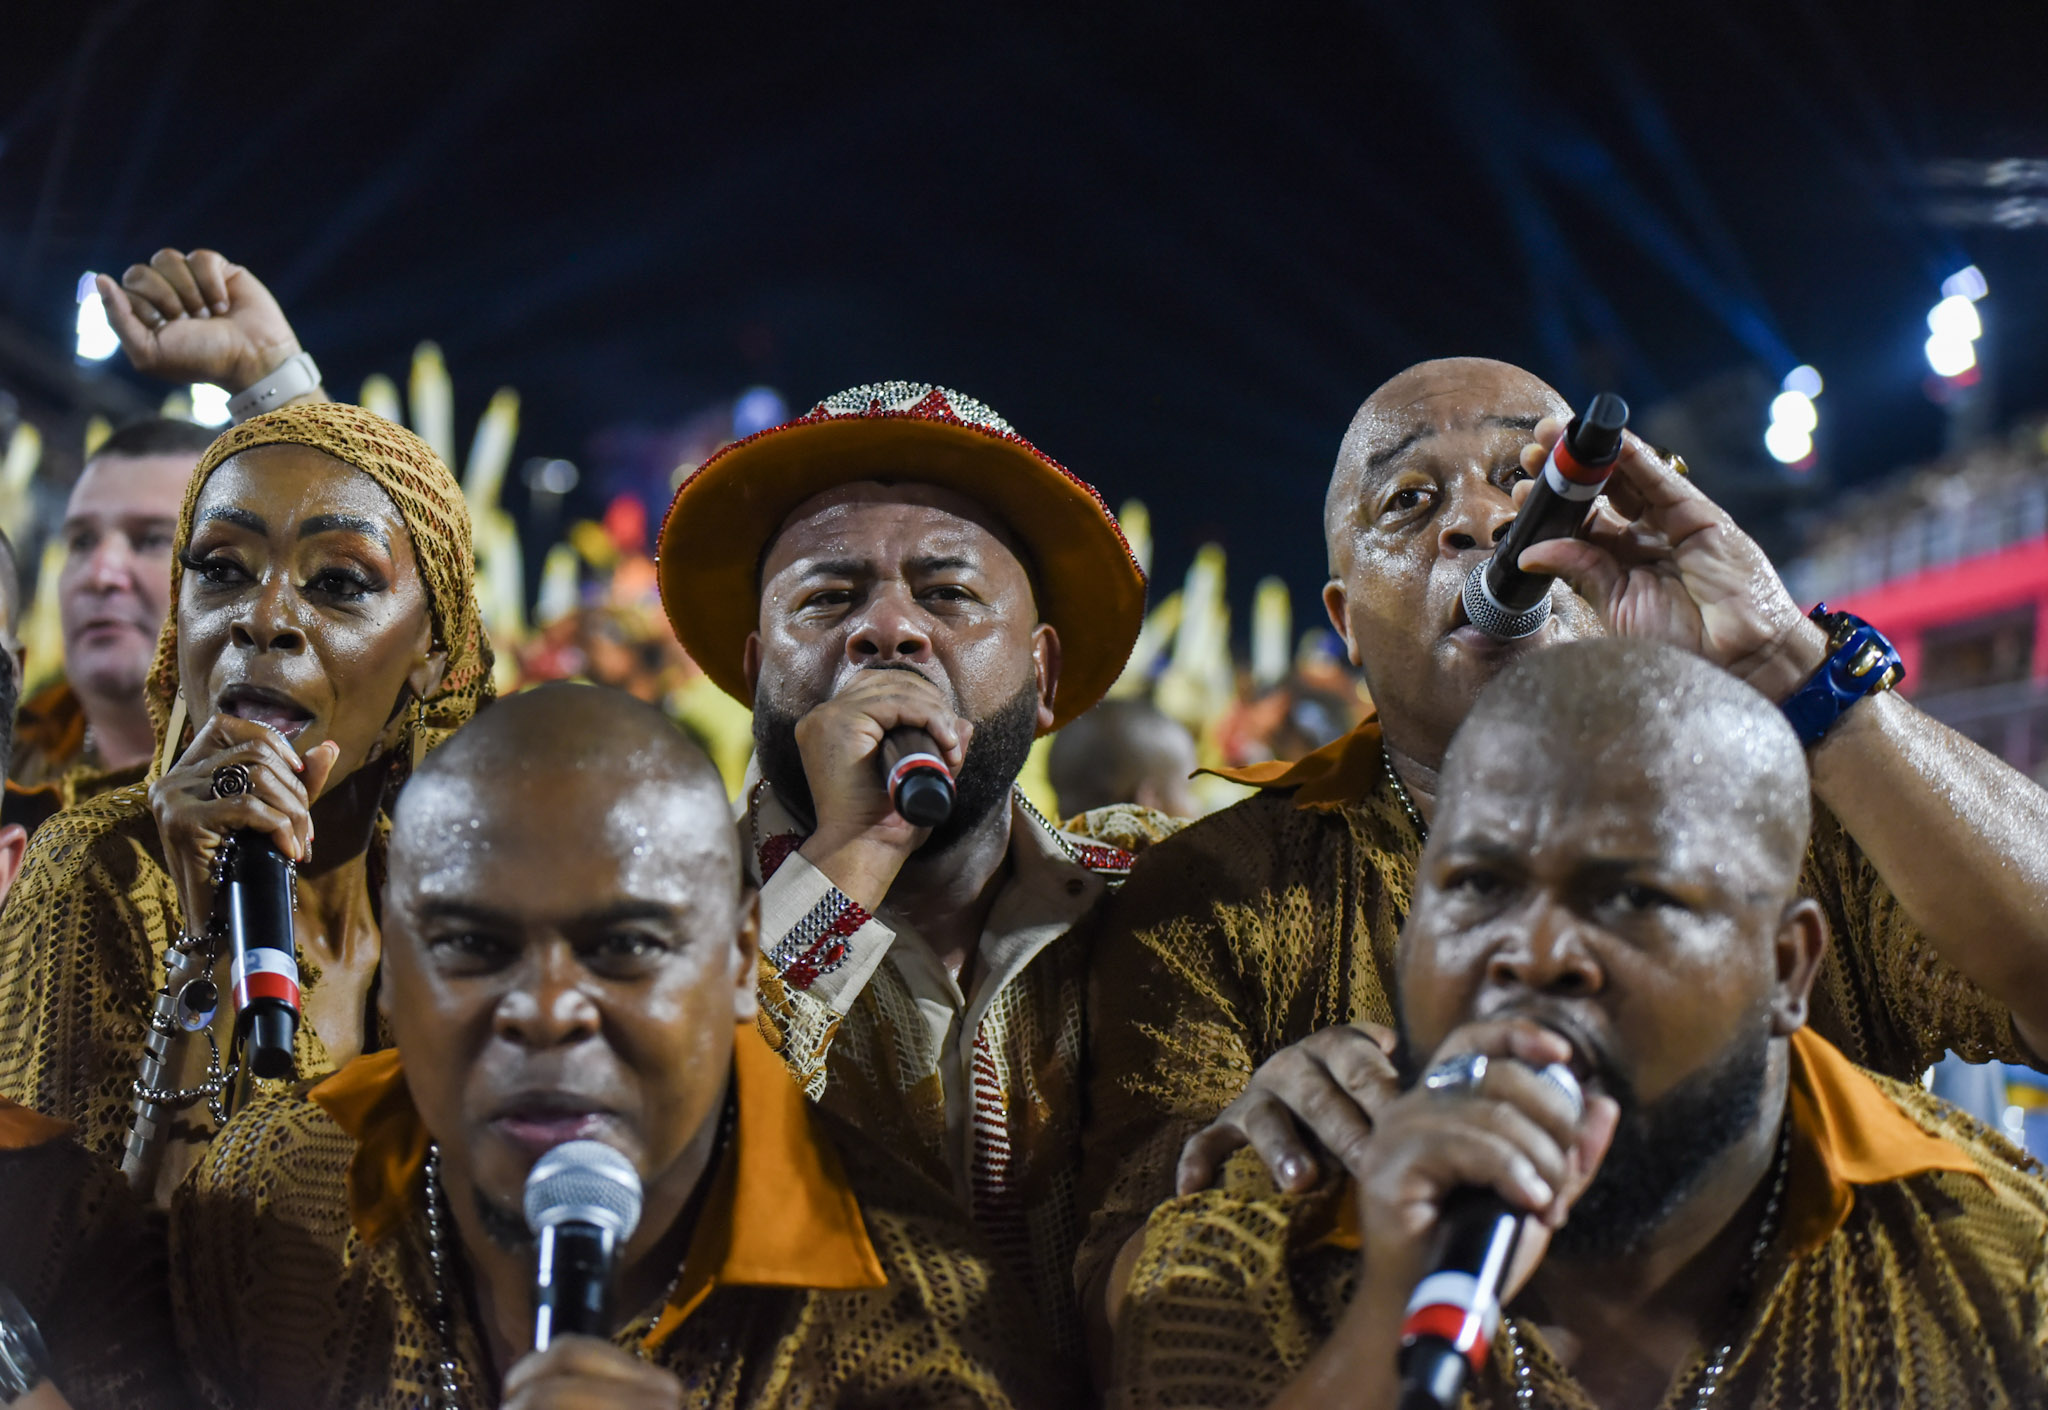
{"points": [[1448, 1322], [910, 763], [264, 985], [1569, 466]]}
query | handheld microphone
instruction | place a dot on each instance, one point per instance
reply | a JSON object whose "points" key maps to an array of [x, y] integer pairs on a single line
{"points": [[1455, 1310], [919, 783], [582, 1204], [1502, 600], [257, 884]]}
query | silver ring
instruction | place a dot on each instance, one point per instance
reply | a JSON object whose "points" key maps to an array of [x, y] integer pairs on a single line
{"points": [[230, 779], [1454, 1075]]}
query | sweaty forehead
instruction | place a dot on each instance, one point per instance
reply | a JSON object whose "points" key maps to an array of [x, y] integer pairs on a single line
{"points": [[1440, 398], [609, 835], [874, 521], [1684, 807]]}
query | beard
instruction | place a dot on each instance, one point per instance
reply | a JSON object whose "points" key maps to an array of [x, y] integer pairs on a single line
{"points": [[1661, 1152], [995, 756]]}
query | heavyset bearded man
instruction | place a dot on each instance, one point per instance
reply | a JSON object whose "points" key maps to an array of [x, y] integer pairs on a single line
{"points": [[1245, 976]]}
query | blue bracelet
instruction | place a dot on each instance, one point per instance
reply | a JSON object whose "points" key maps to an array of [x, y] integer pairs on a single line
{"points": [[1861, 662]]}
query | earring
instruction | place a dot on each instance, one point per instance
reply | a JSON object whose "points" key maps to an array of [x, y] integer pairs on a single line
{"points": [[172, 731], [419, 731]]}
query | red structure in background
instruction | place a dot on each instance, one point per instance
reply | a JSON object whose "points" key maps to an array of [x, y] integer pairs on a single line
{"points": [[1951, 562], [1906, 609]]}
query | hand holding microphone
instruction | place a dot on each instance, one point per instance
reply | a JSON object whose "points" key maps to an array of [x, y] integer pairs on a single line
{"points": [[1469, 1172], [1500, 598]]}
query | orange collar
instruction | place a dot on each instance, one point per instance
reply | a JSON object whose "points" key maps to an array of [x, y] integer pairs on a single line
{"points": [[779, 1213], [21, 1128], [1344, 771], [1846, 1132]]}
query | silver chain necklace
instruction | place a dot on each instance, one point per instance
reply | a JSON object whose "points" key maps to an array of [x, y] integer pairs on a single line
{"points": [[1407, 803], [1717, 1364]]}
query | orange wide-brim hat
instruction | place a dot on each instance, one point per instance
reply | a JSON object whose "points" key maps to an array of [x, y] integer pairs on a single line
{"points": [[1090, 589]]}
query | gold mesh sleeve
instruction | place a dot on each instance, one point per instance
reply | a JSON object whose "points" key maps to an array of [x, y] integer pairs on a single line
{"points": [[798, 1027], [1219, 1313], [79, 941], [1232, 939], [1884, 996]]}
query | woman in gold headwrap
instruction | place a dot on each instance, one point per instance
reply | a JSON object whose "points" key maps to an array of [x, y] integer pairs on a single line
{"points": [[325, 632]]}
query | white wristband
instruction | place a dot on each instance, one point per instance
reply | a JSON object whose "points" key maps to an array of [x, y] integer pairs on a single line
{"points": [[295, 378]]}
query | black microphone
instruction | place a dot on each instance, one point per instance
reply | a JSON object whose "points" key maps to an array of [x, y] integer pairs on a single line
{"points": [[582, 1204], [1455, 1310], [256, 882], [919, 783], [1502, 600]]}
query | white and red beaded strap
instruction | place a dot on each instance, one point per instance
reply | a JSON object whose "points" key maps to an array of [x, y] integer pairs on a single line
{"points": [[994, 1200]]}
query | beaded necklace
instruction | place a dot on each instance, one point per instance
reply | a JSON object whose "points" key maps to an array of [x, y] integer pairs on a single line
{"points": [[1407, 803], [1745, 1286]]}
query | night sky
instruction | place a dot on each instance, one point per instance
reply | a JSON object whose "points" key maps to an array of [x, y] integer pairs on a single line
{"points": [[1174, 244]]}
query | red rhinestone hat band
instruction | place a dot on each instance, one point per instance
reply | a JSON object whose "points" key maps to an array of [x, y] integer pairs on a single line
{"points": [[1091, 590]]}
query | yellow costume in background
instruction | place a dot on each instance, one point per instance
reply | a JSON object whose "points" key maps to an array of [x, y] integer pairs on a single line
{"points": [[1907, 1274], [1278, 917], [83, 934], [822, 1272]]}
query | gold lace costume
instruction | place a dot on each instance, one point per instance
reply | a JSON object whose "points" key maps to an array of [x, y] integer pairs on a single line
{"points": [[87, 1261], [979, 1089], [1908, 1274], [822, 1272], [83, 934], [1278, 917]]}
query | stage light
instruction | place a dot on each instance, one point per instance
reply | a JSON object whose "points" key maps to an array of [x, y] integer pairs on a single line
{"points": [[1794, 409], [1966, 283], [209, 404], [1805, 380], [756, 409], [1955, 318], [1950, 356], [96, 338], [1788, 444]]}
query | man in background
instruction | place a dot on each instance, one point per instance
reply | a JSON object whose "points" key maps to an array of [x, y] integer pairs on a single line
{"points": [[1124, 751], [112, 598]]}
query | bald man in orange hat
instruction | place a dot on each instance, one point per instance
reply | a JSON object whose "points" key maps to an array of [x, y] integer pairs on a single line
{"points": [[900, 557]]}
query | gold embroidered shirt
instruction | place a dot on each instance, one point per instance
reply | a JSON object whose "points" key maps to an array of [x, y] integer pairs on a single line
{"points": [[1908, 1273], [981, 1087], [1278, 917], [822, 1271]]}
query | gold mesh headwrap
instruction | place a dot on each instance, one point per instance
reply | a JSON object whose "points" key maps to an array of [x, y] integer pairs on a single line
{"points": [[428, 499]]}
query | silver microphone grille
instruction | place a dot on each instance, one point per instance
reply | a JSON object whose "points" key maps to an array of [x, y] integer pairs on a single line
{"points": [[1497, 621], [1557, 1075], [584, 1182]]}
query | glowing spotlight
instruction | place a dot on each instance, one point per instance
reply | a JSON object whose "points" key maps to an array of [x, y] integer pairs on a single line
{"points": [[1794, 409], [1965, 283], [97, 340], [1950, 356], [209, 404], [1805, 380], [1955, 317], [1788, 444]]}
